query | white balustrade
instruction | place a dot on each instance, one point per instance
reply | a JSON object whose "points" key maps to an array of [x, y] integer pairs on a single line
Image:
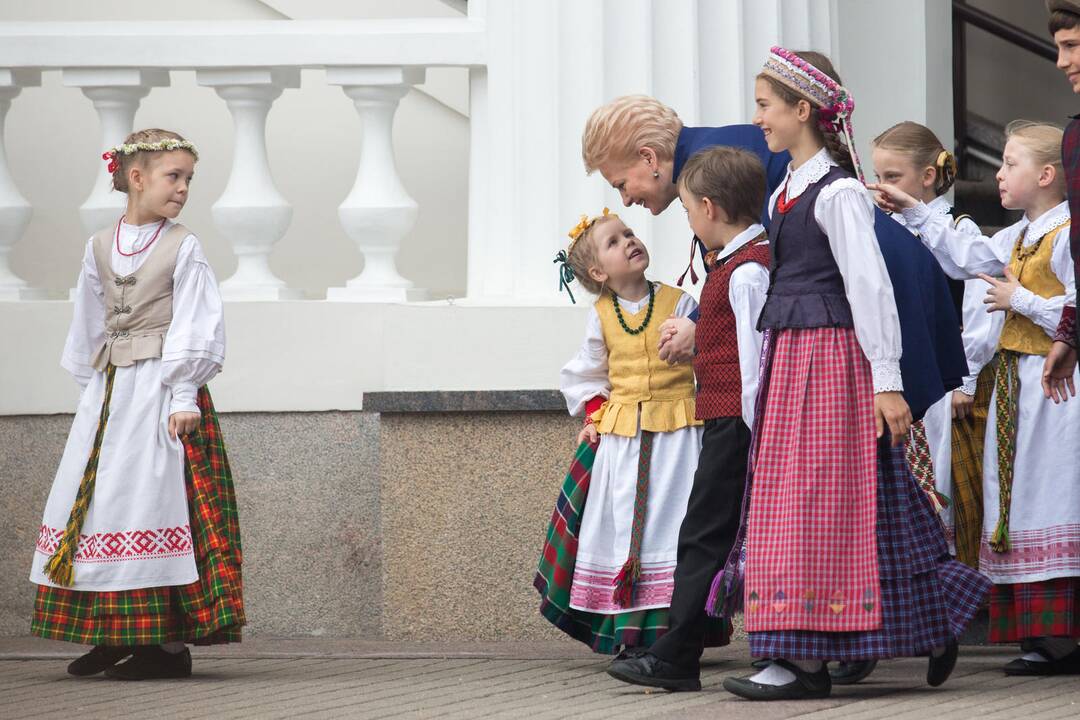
{"points": [[378, 212], [251, 213], [115, 93], [15, 212]]}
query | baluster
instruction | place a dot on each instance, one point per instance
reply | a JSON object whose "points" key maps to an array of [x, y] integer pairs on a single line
{"points": [[251, 213], [378, 212], [15, 211], [115, 93]]}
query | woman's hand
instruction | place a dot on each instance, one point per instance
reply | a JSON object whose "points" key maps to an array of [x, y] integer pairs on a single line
{"points": [[588, 434], [677, 340], [962, 405], [183, 423], [891, 409], [999, 296], [1058, 371], [891, 198]]}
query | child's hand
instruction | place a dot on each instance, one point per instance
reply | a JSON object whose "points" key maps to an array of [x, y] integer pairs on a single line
{"points": [[182, 423], [999, 296], [1058, 370], [962, 405], [677, 340], [891, 409], [891, 198], [588, 434]]}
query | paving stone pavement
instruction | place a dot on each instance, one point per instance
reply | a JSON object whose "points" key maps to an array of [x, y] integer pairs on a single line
{"points": [[369, 680]]}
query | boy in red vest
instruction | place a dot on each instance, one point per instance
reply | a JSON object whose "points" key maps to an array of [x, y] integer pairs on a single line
{"points": [[723, 190]]}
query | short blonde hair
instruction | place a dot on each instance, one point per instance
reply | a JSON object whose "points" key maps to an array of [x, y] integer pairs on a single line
{"points": [[920, 145], [615, 132], [583, 255], [1043, 141], [140, 157]]}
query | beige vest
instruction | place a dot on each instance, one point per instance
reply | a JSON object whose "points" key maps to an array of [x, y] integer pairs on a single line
{"points": [[138, 307]]}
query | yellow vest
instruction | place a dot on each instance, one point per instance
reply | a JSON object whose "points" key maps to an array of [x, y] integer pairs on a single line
{"points": [[640, 380], [1031, 266]]}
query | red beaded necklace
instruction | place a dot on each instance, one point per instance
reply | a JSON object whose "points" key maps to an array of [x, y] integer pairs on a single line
{"points": [[145, 247]]}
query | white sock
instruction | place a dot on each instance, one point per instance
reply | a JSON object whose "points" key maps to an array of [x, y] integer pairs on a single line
{"points": [[774, 675], [173, 647], [1035, 657]]}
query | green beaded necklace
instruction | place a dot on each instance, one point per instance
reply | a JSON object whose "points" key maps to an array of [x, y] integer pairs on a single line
{"points": [[648, 315]]}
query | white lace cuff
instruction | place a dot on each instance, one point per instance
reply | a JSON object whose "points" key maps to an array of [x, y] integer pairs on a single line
{"points": [[887, 378], [968, 388], [917, 216]]}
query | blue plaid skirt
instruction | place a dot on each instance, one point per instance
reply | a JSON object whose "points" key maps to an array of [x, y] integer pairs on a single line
{"points": [[927, 597]]}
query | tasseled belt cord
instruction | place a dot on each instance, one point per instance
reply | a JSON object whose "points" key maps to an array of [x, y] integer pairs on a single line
{"points": [[625, 581], [917, 451], [60, 567], [1007, 388]]}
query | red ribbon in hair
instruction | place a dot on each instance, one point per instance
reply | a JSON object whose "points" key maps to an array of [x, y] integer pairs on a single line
{"points": [[113, 162]]}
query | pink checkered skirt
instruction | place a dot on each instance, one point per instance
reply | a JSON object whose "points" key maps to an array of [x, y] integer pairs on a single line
{"points": [[811, 540]]}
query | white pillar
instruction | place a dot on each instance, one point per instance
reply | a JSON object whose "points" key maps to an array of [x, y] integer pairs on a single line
{"points": [[115, 93], [378, 212], [15, 211], [251, 213]]}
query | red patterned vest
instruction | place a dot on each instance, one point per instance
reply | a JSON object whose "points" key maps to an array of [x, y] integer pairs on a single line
{"points": [[716, 363]]}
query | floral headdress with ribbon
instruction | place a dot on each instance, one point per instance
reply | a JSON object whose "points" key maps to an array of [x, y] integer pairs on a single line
{"points": [[112, 155], [833, 101], [562, 258]]}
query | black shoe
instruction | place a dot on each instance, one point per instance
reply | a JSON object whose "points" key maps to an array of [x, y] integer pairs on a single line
{"points": [[1068, 665], [100, 658], [150, 662], [805, 686], [941, 668], [649, 670], [761, 663], [849, 673]]}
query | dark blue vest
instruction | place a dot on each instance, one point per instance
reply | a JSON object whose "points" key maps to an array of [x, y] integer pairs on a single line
{"points": [[806, 289]]}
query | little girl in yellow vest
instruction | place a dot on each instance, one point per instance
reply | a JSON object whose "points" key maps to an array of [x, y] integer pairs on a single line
{"points": [[607, 570], [139, 548], [1031, 490]]}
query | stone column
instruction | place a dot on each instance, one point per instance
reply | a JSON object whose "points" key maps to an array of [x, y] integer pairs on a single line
{"points": [[378, 212], [15, 211], [251, 214]]}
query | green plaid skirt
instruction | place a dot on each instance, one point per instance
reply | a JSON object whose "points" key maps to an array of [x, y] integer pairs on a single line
{"points": [[603, 633], [209, 610]]}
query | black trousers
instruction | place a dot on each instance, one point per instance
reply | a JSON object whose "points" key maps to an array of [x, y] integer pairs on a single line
{"points": [[706, 536]]}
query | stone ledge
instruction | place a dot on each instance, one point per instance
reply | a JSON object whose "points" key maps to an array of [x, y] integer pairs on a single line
{"points": [[437, 401]]}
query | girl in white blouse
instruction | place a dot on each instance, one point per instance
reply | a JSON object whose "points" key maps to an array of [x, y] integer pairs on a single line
{"points": [[139, 549]]}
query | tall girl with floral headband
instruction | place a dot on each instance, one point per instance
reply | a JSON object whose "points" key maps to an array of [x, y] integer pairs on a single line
{"points": [[842, 558], [139, 550], [606, 573], [1031, 489]]}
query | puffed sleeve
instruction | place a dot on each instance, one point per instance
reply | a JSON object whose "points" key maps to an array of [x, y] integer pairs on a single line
{"points": [[962, 254], [87, 331], [686, 307], [845, 213], [981, 332], [747, 291], [1046, 312], [586, 375], [194, 347]]}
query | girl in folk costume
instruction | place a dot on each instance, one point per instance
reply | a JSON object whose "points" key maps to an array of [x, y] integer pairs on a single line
{"points": [[843, 558], [607, 569], [1031, 491], [139, 550], [945, 448]]}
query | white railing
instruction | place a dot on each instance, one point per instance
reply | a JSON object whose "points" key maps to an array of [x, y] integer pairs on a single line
{"points": [[249, 65]]}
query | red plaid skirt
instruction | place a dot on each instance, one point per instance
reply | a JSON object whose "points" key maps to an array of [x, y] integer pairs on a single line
{"points": [[1050, 608], [811, 544], [209, 610]]}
